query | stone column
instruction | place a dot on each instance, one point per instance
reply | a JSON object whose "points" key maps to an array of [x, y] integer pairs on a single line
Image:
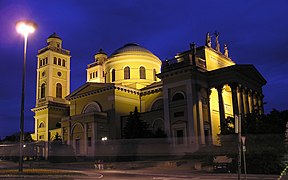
{"points": [[200, 117], [256, 102], [251, 95], [69, 133], [85, 139], [93, 138], [221, 105], [209, 115], [247, 109], [192, 124], [166, 109], [240, 100], [261, 104], [234, 98]]}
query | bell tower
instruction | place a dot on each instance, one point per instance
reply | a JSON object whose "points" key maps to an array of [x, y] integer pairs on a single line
{"points": [[53, 85]]}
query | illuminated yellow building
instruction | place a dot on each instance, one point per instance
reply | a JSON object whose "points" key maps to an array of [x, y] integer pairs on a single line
{"points": [[187, 96]]}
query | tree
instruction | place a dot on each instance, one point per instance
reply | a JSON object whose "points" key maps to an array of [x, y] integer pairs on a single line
{"points": [[265, 135], [16, 137], [135, 127]]}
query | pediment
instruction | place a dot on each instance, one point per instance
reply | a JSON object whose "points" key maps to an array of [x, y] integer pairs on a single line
{"points": [[246, 75], [89, 88]]}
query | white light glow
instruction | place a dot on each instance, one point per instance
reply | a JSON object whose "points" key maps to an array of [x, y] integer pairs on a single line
{"points": [[104, 138], [25, 27]]}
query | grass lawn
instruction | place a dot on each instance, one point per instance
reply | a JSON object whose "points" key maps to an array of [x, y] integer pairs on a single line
{"points": [[39, 172]]}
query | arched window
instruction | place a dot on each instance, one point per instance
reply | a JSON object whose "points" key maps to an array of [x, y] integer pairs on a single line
{"points": [[92, 107], [42, 92], [58, 90], [127, 72], [59, 61], [178, 96], [154, 75], [63, 63], [158, 104], [55, 60], [142, 72], [113, 75], [42, 125]]}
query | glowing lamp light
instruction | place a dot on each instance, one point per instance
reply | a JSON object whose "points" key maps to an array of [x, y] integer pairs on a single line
{"points": [[25, 27]]}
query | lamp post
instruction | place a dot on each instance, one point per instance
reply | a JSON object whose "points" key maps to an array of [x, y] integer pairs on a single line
{"points": [[25, 28]]}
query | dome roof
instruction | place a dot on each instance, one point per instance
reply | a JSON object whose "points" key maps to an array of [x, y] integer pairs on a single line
{"points": [[54, 35], [130, 47]]}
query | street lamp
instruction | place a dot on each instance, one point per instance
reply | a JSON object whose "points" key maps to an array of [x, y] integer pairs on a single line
{"points": [[25, 28]]}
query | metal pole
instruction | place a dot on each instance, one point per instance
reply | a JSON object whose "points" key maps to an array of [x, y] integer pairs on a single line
{"points": [[244, 162], [22, 108], [239, 147], [244, 159]]}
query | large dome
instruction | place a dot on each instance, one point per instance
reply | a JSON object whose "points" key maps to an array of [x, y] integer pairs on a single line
{"points": [[133, 66], [130, 48]]}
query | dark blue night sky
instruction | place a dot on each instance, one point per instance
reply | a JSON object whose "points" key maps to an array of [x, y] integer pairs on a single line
{"points": [[256, 32]]}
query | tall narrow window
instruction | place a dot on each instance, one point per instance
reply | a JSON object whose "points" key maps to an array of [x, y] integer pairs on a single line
{"points": [[42, 92], [46, 60], [180, 136], [142, 72], [154, 75], [59, 62], [113, 75], [63, 63], [96, 74], [55, 60], [58, 90], [127, 72], [40, 62]]}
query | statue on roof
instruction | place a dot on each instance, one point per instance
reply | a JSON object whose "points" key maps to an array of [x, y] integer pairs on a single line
{"points": [[208, 40], [217, 48], [225, 50], [193, 49]]}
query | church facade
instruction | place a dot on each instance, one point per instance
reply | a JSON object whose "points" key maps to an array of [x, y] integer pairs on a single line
{"points": [[187, 96]]}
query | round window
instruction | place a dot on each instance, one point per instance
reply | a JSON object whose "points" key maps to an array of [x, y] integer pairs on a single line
{"points": [[43, 73], [59, 73]]}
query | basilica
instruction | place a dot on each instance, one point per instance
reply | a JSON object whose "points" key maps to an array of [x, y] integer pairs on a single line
{"points": [[186, 96]]}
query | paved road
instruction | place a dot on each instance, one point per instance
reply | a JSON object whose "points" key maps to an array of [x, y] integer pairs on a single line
{"points": [[142, 174], [156, 175]]}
